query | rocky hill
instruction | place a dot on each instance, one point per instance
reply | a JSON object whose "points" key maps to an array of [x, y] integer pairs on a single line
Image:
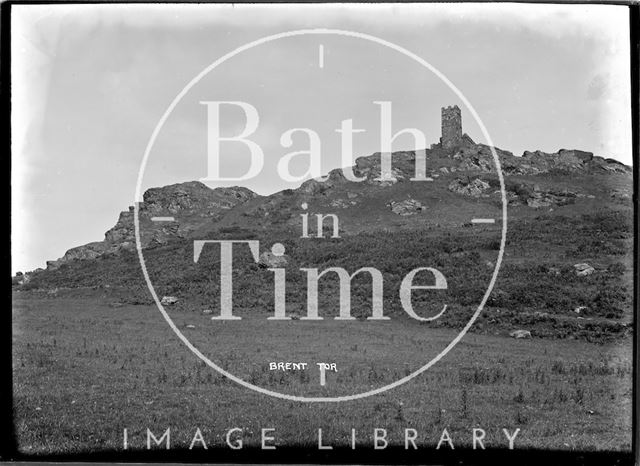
{"points": [[461, 182], [566, 209]]}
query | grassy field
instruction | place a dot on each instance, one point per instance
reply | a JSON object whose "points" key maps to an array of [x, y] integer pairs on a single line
{"points": [[93, 356], [85, 370]]}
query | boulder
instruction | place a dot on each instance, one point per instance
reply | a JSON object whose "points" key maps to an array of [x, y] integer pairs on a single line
{"points": [[520, 334], [538, 201], [582, 270], [168, 300], [406, 207], [474, 188], [270, 260], [621, 194]]}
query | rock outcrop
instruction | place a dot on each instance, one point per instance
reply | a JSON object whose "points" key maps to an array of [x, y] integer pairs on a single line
{"points": [[194, 206], [479, 157], [474, 188], [191, 204]]}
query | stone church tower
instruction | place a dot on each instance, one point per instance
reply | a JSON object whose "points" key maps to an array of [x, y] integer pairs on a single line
{"points": [[451, 127]]}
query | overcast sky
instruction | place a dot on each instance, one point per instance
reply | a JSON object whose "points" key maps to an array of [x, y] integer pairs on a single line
{"points": [[90, 83]]}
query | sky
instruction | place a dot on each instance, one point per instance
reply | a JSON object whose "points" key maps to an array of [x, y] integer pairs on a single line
{"points": [[90, 84]]}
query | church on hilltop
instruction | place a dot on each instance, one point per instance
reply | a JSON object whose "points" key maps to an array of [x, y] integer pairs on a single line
{"points": [[452, 135]]}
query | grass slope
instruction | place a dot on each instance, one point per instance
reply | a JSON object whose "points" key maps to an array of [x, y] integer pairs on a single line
{"points": [[537, 287], [83, 371]]}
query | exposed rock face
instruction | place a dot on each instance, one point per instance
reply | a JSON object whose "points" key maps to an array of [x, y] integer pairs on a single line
{"points": [[479, 157], [572, 160], [474, 188], [538, 199], [88, 251], [314, 186], [191, 204], [121, 231], [193, 197], [406, 207], [532, 195], [342, 203], [575, 154], [612, 165], [370, 167]]}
